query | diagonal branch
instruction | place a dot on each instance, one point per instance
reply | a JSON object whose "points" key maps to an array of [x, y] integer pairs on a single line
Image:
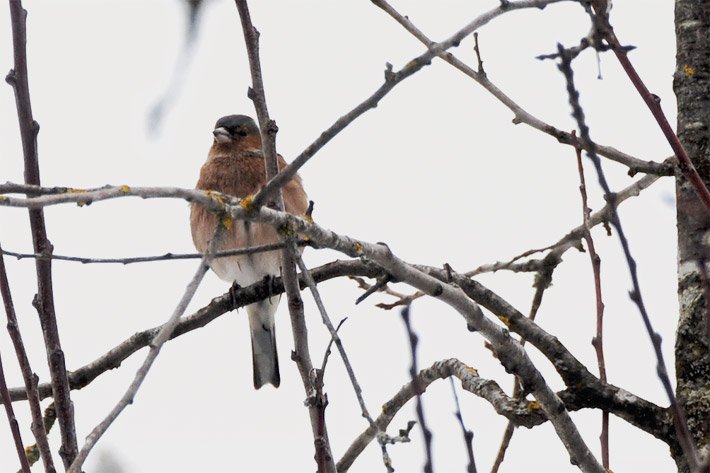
{"points": [[392, 79], [155, 345], [634, 164], [654, 105], [573, 238], [12, 422], [37, 425]]}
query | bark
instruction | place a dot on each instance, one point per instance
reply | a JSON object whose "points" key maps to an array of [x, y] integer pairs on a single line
{"points": [[692, 88]]}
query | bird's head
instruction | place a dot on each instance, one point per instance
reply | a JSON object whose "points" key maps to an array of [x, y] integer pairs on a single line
{"points": [[237, 131]]}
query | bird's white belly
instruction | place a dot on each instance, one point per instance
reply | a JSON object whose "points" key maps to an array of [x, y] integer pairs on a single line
{"points": [[248, 269]]}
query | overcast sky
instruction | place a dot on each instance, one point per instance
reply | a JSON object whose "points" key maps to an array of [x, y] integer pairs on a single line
{"points": [[437, 171]]}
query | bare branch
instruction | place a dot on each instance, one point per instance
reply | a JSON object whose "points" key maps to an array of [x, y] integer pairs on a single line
{"points": [[574, 237], [343, 354], [467, 434], [29, 128], [83, 376], [521, 115], [28, 377], [155, 345], [684, 437], [573, 372], [148, 259], [598, 340], [418, 390], [392, 78], [12, 422], [543, 280], [520, 411]]}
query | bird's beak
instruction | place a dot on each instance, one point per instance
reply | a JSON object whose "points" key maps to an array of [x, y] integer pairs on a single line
{"points": [[222, 135]]}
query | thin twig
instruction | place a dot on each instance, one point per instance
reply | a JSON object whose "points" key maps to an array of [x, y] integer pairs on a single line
{"points": [[343, 354], [326, 355], [147, 259], [477, 50], [12, 421], [29, 128], [418, 389], [684, 437], [30, 380], [598, 340], [505, 440], [311, 284], [573, 237], [467, 434], [155, 346]]}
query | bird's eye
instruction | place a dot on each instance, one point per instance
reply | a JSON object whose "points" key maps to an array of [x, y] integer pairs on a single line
{"points": [[242, 133]]}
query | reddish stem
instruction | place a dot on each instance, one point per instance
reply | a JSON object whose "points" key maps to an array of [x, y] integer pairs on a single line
{"points": [[598, 340]]}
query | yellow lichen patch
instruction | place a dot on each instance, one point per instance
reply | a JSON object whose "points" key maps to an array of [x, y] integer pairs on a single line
{"points": [[246, 202], [227, 222], [358, 247], [125, 189], [534, 406], [308, 218], [688, 70], [505, 320], [473, 370], [215, 196], [71, 190], [3, 198]]}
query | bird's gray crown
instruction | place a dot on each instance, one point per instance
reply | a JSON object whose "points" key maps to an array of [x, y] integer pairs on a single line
{"points": [[237, 123]]}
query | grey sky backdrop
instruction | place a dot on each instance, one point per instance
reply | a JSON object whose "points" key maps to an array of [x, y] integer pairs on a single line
{"points": [[438, 171]]}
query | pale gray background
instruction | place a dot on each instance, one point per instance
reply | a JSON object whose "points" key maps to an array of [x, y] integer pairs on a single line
{"points": [[437, 171]]}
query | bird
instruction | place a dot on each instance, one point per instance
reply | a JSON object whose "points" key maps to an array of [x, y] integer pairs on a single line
{"points": [[235, 166]]}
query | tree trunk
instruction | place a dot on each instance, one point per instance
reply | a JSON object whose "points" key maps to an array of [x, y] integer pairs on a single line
{"points": [[692, 89]]}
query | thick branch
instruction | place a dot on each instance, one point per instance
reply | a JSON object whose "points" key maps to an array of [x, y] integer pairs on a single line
{"points": [[638, 412]]}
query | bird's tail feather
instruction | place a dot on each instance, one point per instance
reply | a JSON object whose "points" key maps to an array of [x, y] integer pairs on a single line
{"points": [[263, 343]]}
